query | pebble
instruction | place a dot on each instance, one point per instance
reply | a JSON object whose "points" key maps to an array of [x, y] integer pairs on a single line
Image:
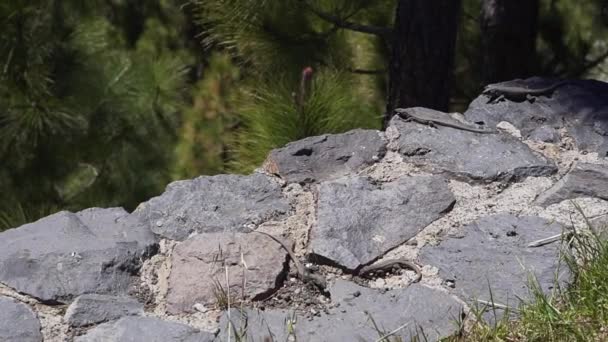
{"points": [[200, 307]]}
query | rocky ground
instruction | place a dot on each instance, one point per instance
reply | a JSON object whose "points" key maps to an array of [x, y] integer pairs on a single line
{"points": [[465, 207]]}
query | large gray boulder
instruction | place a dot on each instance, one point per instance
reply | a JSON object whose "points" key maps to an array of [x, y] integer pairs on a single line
{"points": [[213, 204], [326, 157], [68, 254], [358, 220], [18, 323]]}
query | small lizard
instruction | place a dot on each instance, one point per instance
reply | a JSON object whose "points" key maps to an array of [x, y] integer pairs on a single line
{"points": [[303, 273], [433, 117], [388, 264], [519, 92]]}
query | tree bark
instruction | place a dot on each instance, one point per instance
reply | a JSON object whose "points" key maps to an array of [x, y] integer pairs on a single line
{"points": [[422, 54], [508, 39]]}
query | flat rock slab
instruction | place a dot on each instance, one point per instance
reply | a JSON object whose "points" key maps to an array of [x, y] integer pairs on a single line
{"points": [[358, 221], [584, 180], [325, 157], [213, 204], [467, 155], [18, 323], [94, 308], [144, 329], [580, 106], [68, 254], [198, 268], [419, 308], [493, 254]]}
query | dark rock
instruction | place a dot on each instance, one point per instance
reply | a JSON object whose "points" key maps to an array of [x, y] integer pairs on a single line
{"points": [[198, 268], [584, 180], [420, 308], [144, 329], [213, 204], [18, 323], [325, 157], [467, 155], [94, 308], [358, 221], [493, 254], [580, 106], [65, 255]]}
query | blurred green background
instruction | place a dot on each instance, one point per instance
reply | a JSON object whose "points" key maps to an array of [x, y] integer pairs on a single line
{"points": [[102, 103]]}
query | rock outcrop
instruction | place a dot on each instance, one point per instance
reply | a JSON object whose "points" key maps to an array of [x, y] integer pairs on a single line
{"points": [[466, 208]]}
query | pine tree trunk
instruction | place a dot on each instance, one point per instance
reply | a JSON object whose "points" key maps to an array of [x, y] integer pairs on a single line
{"points": [[508, 35], [422, 55]]}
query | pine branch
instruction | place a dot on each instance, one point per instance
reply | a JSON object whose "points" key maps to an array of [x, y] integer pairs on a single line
{"points": [[382, 32]]}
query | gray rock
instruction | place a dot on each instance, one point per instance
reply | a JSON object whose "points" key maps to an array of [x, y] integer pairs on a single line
{"points": [[584, 180], [18, 323], [65, 255], [358, 221], [144, 329], [467, 155], [325, 157], [544, 134], [581, 107], [213, 204], [198, 268], [421, 308], [493, 254], [94, 308]]}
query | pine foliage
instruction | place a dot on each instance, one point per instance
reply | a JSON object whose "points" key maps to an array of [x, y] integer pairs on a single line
{"points": [[85, 118], [272, 118], [272, 42]]}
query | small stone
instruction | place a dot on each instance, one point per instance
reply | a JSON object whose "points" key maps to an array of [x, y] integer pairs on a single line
{"points": [[356, 294], [200, 307], [159, 223]]}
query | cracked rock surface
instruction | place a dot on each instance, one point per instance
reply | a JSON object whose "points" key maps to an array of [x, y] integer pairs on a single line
{"points": [[358, 221]]}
